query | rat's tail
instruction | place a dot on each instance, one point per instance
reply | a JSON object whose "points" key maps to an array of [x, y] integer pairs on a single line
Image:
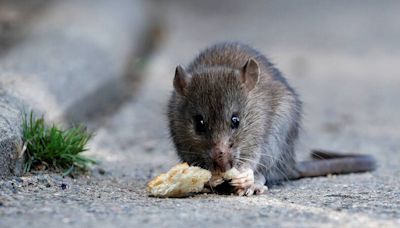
{"points": [[326, 162]]}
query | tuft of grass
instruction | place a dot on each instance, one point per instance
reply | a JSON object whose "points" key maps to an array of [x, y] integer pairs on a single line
{"points": [[53, 147]]}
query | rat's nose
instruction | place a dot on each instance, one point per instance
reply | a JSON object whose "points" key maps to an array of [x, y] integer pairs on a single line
{"points": [[221, 156]]}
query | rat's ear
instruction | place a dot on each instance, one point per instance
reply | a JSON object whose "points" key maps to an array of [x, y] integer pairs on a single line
{"points": [[181, 80], [250, 74]]}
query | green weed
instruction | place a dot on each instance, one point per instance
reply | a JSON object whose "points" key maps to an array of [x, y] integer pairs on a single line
{"points": [[55, 148]]}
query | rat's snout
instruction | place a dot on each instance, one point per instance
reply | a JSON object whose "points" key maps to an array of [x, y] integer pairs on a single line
{"points": [[221, 156]]}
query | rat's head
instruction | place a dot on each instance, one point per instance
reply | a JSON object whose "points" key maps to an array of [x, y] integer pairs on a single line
{"points": [[207, 114]]}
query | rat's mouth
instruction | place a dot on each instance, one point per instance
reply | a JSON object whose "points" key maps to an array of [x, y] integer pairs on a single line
{"points": [[221, 165]]}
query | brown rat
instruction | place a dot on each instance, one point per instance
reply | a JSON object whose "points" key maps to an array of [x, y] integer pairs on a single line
{"points": [[232, 108]]}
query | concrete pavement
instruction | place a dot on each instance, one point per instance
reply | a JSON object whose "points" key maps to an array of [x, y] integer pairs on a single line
{"points": [[340, 56]]}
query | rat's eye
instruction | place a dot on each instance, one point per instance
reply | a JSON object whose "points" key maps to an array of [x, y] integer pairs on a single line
{"points": [[235, 120], [199, 123]]}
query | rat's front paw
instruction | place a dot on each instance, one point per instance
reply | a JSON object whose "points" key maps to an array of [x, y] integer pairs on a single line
{"points": [[243, 183], [243, 180]]}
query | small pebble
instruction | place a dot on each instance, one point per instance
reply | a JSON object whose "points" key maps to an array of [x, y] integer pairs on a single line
{"points": [[101, 171]]}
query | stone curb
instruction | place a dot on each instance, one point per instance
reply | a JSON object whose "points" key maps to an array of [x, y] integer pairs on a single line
{"points": [[11, 159]]}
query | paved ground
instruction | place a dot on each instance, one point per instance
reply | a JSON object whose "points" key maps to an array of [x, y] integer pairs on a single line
{"points": [[341, 56]]}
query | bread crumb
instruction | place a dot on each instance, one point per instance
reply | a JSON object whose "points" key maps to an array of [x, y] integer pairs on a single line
{"points": [[183, 180], [180, 181]]}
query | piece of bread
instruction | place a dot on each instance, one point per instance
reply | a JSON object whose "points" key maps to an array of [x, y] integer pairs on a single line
{"points": [[180, 181]]}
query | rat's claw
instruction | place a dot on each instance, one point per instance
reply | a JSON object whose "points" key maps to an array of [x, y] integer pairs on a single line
{"points": [[249, 191], [240, 191], [254, 189], [258, 189]]}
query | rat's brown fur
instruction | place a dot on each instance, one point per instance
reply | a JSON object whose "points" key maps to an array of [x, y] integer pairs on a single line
{"points": [[270, 113]]}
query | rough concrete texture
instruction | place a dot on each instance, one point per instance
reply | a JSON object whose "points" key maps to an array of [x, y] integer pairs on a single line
{"points": [[11, 159], [341, 56], [75, 57]]}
